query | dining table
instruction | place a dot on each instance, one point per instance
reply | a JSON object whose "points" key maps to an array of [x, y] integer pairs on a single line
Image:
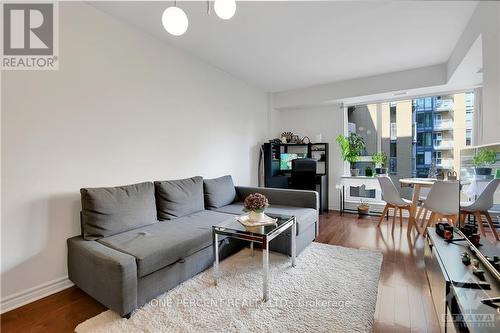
{"points": [[417, 184]]}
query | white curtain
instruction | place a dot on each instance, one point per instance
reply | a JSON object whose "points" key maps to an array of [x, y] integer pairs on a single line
{"points": [[477, 123]]}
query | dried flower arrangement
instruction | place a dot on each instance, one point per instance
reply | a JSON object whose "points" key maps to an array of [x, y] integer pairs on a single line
{"points": [[256, 202]]}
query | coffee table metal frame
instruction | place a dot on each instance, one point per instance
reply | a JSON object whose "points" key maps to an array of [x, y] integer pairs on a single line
{"points": [[255, 237]]}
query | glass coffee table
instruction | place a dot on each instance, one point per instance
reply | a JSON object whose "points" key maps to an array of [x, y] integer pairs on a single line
{"points": [[262, 235]]}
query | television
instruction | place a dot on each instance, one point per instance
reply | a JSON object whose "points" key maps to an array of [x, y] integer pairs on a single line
{"points": [[287, 158]]}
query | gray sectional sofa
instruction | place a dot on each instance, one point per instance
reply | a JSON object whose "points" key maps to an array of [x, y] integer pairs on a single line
{"points": [[141, 240]]}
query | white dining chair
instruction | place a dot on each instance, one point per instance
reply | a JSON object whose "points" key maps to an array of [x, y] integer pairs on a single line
{"points": [[393, 200], [480, 206], [443, 202]]}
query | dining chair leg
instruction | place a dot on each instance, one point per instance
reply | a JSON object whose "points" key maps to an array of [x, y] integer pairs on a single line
{"points": [[426, 212], [410, 226], [420, 210], [413, 221], [480, 223], [386, 208], [430, 221], [400, 217], [422, 213], [492, 226], [394, 218]]}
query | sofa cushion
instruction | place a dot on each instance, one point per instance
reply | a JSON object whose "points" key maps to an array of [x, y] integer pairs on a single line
{"points": [[107, 211], [305, 216], [161, 244], [205, 219], [176, 198], [219, 191]]}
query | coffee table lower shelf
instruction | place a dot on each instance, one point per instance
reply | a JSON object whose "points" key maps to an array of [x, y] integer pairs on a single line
{"points": [[264, 237]]}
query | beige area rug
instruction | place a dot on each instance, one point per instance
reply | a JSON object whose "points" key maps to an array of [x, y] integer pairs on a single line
{"points": [[331, 289]]}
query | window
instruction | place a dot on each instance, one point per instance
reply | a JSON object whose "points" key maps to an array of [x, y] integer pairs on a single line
{"points": [[393, 114], [424, 120], [420, 139], [438, 139], [428, 120], [420, 159], [469, 117], [394, 131], [419, 103], [428, 159], [438, 157], [424, 139], [428, 103], [420, 119], [393, 165], [409, 131], [363, 121], [468, 137], [469, 100], [393, 149]]}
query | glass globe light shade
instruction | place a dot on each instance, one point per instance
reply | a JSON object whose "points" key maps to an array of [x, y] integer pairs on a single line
{"points": [[225, 9], [175, 21]]}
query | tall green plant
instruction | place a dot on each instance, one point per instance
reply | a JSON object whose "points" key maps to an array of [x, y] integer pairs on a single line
{"points": [[484, 157], [351, 146]]}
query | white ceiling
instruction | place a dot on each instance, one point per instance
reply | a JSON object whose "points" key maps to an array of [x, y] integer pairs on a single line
{"points": [[285, 45]]}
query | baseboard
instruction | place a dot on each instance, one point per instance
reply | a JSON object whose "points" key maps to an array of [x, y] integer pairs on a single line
{"points": [[24, 297]]}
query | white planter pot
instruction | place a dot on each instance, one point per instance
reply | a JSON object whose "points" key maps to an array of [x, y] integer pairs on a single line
{"points": [[256, 216]]}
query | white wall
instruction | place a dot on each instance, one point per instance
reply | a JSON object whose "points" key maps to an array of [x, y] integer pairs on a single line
{"points": [[309, 121], [122, 108], [372, 85]]}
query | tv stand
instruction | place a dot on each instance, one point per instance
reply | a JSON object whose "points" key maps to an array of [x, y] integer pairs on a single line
{"points": [[462, 301]]}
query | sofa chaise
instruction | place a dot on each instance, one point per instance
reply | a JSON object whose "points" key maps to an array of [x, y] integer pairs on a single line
{"points": [[141, 240]]}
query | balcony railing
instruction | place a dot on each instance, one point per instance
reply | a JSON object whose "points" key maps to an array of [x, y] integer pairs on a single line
{"points": [[442, 145], [443, 125], [444, 163], [444, 105]]}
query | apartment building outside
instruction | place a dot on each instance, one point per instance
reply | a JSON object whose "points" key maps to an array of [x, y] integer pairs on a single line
{"points": [[442, 126]]}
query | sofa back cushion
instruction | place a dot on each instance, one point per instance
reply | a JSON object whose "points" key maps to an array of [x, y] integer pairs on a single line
{"points": [[219, 192], [176, 198], [107, 211]]}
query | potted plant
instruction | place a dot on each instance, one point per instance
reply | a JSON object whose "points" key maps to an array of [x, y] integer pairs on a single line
{"points": [[352, 147], [255, 204], [368, 172], [380, 160], [482, 160], [363, 209]]}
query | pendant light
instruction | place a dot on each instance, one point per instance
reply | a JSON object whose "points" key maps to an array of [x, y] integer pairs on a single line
{"points": [[225, 9], [175, 20], [176, 23]]}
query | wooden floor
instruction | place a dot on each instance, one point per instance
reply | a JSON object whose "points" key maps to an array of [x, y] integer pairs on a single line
{"points": [[404, 303]]}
